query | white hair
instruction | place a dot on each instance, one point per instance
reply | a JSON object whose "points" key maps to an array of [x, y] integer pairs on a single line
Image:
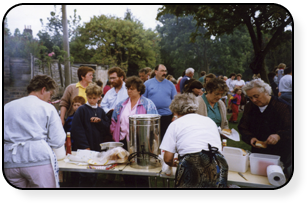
{"points": [[184, 104], [189, 70], [257, 83]]}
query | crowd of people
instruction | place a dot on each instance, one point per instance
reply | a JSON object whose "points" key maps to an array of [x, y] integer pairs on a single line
{"points": [[191, 111]]}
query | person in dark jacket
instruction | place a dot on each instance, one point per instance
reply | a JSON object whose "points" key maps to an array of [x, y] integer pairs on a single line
{"points": [[267, 118], [274, 86], [90, 128]]}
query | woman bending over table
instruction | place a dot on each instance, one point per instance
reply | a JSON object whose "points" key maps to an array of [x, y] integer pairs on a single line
{"points": [[197, 141]]}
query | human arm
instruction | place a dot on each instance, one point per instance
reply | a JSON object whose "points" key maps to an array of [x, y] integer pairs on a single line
{"points": [[170, 160], [104, 103], [63, 110], [55, 132], [65, 102]]}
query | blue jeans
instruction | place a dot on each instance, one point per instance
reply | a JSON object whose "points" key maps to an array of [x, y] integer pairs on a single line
{"points": [[287, 96]]}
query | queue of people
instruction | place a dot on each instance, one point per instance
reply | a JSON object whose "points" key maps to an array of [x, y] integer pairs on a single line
{"points": [[189, 122]]}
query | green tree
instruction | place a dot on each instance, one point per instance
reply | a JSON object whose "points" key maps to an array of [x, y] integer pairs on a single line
{"points": [[178, 51], [116, 42], [259, 19]]}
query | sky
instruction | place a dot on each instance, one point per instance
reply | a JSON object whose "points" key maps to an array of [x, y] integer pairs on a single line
{"points": [[22, 16]]}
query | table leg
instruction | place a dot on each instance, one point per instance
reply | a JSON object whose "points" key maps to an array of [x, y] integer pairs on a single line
{"points": [[149, 178], [167, 183], [155, 181]]}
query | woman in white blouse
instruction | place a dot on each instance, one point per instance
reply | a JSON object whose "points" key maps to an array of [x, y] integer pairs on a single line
{"points": [[197, 141], [240, 83]]}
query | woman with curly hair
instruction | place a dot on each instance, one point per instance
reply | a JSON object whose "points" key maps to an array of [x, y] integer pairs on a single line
{"points": [[197, 141]]}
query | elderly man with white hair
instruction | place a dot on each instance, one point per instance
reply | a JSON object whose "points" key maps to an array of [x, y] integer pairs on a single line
{"points": [[268, 119], [189, 73]]}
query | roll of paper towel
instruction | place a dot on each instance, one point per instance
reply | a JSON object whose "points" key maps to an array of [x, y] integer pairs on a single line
{"points": [[60, 152], [275, 175]]}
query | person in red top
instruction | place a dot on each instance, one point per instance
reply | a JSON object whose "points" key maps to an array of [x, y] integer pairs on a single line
{"points": [[107, 87], [235, 101]]}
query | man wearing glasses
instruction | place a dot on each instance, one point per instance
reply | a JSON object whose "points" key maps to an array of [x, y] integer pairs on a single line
{"points": [[117, 93], [161, 91]]}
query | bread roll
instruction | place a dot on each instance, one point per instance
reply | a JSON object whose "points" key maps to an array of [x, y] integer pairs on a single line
{"points": [[244, 152], [226, 131], [261, 144]]}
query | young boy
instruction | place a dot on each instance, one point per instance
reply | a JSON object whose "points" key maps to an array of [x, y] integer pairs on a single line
{"points": [[77, 102], [90, 128], [90, 125]]}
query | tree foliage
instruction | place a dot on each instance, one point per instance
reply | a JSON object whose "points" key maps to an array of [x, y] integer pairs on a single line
{"points": [[113, 41], [223, 19]]}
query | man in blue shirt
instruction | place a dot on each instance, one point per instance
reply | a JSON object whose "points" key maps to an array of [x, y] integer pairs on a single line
{"points": [[161, 91], [189, 73]]}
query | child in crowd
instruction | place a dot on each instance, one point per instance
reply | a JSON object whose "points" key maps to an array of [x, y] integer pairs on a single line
{"points": [[235, 101], [77, 102], [90, 128]]}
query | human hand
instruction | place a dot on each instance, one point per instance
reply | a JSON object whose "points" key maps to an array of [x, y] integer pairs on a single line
{"points": [[273, 139], [95, 119], [63, 121], [279, 94], [253, 141]]}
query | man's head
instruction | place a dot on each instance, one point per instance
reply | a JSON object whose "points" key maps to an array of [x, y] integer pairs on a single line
{"points": [[288, 71], [202, 73], [116, 77], [282, 66], [160, 72], [77, 102], [143, 74], [189, 72]]}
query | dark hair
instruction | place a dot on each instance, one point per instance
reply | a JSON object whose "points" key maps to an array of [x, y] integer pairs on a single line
{"points": [[239, 75], [210, 75], [83, 70], [152, 74], [202, 73], [156, 68], [79, 99], [119, 71], [40, 81], [192, 83], [135, 82], [287, 70], [145, 70], [216, 84], [99, 83], [232, 74]]}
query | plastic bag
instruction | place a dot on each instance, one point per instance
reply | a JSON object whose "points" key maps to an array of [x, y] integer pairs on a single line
{"points": [[115, 155]]}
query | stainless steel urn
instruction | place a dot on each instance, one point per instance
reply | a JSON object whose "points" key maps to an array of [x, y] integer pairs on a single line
{"points": [[144, 135]]}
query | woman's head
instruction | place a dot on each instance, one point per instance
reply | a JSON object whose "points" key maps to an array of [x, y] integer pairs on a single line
{"points": [[184, 104], [208, 77], [216, 84], [83, 71], [41, 81], [258, 92], [135, 82], [238, 77], [282, 66], [193, 86]]}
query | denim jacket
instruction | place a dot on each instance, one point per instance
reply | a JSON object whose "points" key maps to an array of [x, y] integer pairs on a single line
{"points": [[145, 106]]}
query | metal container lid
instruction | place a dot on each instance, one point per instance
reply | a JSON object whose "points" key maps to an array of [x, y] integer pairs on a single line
{"points": [[144, 116]]}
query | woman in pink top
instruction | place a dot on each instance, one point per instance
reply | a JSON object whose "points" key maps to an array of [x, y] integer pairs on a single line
{"points": [[235, 101], [134, 104]]}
